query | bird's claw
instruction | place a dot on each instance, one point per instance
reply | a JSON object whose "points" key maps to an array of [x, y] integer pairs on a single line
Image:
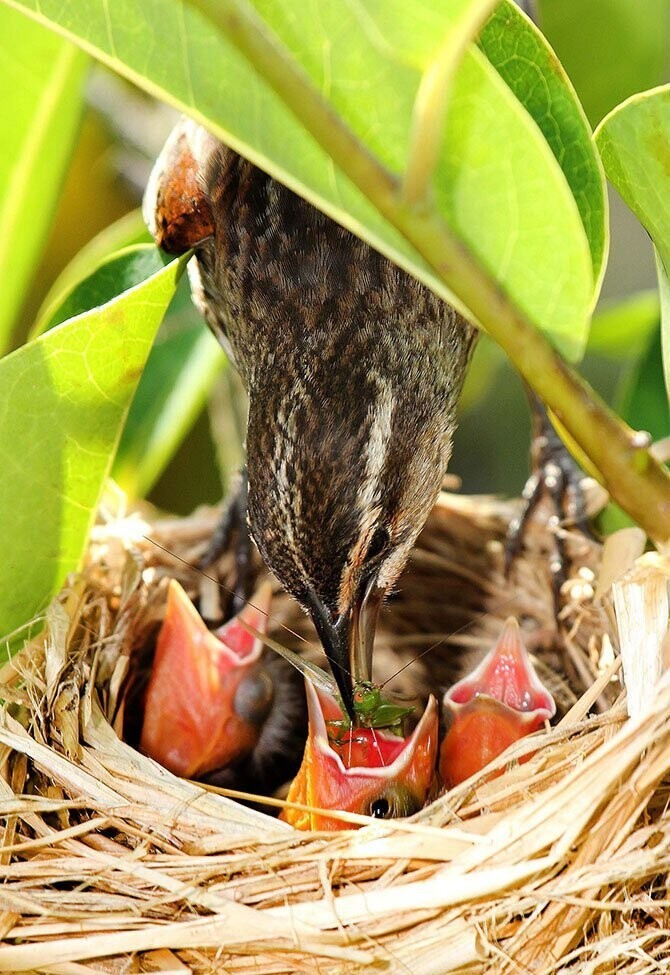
{"points": [[557, 476]]}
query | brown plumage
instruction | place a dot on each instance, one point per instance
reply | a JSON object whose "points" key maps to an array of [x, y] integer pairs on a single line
{"points": [[353, 371]]}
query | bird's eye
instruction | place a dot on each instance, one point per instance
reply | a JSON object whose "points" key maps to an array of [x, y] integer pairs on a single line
{"points": [[379, 543], [253, 697], [380, 808], [395, 802]]}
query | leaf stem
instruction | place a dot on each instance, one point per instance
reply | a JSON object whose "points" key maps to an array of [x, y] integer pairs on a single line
{"points": [[432, 98], [634, 479]]}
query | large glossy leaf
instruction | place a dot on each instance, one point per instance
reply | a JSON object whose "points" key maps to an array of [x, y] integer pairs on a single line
{"points": [[182, 366], [179, 374], [117, 273], [610, 48], [41, 79], [65, 396], [521, 55], [498, 182], [634, 142]]}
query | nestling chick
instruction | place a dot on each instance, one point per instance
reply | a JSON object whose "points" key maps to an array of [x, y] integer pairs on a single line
{"points": [[217, 707], [363, 770], [353, 371], [501, 701]]}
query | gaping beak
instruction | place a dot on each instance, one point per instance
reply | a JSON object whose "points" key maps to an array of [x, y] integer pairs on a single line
{"points": [[207, 697], [348, 641], [501, 701], [361, 770]]}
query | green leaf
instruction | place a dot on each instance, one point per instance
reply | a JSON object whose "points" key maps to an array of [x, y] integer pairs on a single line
{"points": [[642, 400], [520, 54], [664, 293], [128, 230], [174, 388], [116, 274], [41, 77], [610, 48], [623, 330], [634, 142], [498, 183], [65, 397], [180, 371]]}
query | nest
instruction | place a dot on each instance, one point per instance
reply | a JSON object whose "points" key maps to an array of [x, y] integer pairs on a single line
{"points": [[111, 864]]}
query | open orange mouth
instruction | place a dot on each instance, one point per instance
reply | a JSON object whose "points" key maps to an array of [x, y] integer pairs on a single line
{"points": [[501, 701], [207, 696], [363, 770]]}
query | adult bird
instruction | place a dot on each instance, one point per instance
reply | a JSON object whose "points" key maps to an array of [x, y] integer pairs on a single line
{"points": [[353, 371]]}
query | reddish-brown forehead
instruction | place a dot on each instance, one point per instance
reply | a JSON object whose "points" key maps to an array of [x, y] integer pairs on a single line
{"points": [[183, 213]]}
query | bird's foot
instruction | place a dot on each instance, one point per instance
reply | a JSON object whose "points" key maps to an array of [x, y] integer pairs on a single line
{"points": [[233, 523], [555, 475]]}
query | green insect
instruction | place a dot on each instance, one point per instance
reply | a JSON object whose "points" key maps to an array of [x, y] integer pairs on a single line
{"points": [[373, 710]]}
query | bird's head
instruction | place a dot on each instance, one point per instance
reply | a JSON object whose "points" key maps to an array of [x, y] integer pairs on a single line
{"points": [[342, 476]]}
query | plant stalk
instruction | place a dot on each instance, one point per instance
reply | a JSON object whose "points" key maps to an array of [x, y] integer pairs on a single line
{"points": [[634, 479], [432, 99]]}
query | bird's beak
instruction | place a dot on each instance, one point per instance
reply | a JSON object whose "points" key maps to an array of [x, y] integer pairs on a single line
{"points": [[348, 641], [336, 638], [207, 696], [364, 616], [362, 770], [501, 701]]}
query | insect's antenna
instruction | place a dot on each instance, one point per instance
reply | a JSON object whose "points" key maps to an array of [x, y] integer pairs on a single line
{"points": [[226, 589], [438, 643]]}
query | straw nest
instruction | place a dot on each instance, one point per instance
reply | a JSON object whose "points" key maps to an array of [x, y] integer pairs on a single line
{"points": [[109, 863]]}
